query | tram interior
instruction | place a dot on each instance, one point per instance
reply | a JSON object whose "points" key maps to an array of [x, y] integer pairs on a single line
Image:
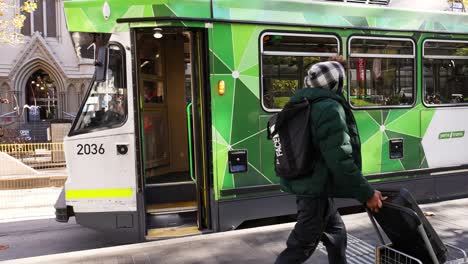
{"points": [[165, 83]]}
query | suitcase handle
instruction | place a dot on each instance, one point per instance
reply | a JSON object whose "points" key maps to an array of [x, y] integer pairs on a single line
{"points": [[412, 214]]}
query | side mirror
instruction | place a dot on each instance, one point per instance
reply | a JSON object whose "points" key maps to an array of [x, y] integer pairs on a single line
{"points": [[101, 64]]}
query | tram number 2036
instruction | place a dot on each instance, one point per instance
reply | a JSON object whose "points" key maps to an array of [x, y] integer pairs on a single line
{"points": [[90, 149]]}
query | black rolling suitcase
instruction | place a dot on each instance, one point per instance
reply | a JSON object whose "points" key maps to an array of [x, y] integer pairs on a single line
{"points": [[408, 229]]}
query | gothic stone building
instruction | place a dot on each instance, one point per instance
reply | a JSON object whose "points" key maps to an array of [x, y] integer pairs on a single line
{"points": [[43, 79]]}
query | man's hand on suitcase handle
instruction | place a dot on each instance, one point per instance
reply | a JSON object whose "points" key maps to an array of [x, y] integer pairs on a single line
{"points": [[375, 202]]}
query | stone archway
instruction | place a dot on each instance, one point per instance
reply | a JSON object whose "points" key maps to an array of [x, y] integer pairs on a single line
{"points": [[41, 96], [23, 80]]}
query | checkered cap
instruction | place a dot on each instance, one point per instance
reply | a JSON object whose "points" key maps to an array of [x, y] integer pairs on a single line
{"points": [[327, 75]]}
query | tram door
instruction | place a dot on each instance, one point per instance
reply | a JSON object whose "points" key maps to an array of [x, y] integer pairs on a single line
{"points": [[171, 131]]}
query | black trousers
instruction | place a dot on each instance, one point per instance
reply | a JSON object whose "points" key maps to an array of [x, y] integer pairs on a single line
{"points": [[317, 220]]}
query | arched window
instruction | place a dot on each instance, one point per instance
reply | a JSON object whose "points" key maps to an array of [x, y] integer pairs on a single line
{"points": [[41, 94], [43, 19]]}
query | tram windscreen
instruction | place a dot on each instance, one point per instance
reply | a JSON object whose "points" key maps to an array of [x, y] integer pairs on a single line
{"points": [[106, 103]]}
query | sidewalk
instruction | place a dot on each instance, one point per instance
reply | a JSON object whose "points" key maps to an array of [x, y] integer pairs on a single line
{"points": [[28, 204], [263, 244], [30, 196], [45, 178]]}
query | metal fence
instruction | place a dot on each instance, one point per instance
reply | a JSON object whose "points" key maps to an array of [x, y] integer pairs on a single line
{"points": [[37, 155]]}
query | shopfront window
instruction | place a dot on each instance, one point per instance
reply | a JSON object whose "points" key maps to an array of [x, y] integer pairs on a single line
{"points": [[106, 104]]}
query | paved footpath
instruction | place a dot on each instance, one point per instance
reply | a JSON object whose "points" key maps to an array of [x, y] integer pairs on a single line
{"points": [[28, 204], [261, 245]]}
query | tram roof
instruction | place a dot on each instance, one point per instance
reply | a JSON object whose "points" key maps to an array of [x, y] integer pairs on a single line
{"points": [[87, 15]]}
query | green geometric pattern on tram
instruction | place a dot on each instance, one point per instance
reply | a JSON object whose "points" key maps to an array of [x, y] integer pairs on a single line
{"points": [[237, 118], [252, 83], [228, 179], [79, 14], [411, 150], [254, 176], [91, 19], [376, 115], [219, 66], [249, 57], [245, 120], [394, 114], [245, 135], [385, 115], [367, 126], [223, 48], [372, 21], [139, 11], [407, 123], [371, 151], [250, 178], [253, 152], [190, 8], [426, 118], [229, 52], [357, 21], [439, 27], [252, 71], [163, 10], [300, 12], [220, 162], [220, 157], [241, 35], [395, 123], [319, 19], [389, 165], [424, 163], [223, 106]]}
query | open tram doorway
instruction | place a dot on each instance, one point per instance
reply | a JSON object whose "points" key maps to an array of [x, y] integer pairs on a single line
{"points": [[170, 79]]}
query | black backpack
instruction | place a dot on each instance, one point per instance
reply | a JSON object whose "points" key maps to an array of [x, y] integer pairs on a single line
{"points": [[290, 133]]}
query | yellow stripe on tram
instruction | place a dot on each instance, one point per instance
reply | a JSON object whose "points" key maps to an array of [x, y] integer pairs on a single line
{"points": [[99, 193]]}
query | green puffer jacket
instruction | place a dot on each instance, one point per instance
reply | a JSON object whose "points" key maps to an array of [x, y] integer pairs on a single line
{"points": [[337, 171]]}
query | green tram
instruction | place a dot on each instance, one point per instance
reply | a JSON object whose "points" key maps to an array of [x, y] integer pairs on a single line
{"points": [[171, 137]]}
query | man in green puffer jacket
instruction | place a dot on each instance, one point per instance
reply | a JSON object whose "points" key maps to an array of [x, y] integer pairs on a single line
{"points": [[337, 172]]}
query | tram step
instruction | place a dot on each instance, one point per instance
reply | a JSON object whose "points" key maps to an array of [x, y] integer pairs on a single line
{"points": [[168, 177], [171, 232], [168, 208], [170, 193], [166, 184], [171, 220]]}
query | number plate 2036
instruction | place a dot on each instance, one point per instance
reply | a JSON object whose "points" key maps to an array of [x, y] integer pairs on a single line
{"points": [[90, 149]]}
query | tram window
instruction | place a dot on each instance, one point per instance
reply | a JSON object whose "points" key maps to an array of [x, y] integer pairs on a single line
{"points": [[445, 72], [285, 60], [106, 105], [381, 72]]}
